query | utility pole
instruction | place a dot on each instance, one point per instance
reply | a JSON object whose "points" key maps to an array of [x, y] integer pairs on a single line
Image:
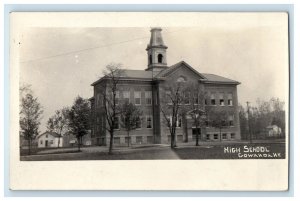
{"points": [[249, 132]]}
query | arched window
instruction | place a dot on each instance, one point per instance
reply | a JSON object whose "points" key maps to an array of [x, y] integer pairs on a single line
{"points": [[181, 79], [150, 59], [160, 58]]}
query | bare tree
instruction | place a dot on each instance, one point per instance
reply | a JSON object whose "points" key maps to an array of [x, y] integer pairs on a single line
{"points": [[59, 123], [197, 107], [171, 103], [30, 117], [109, 89], [130, 118]]}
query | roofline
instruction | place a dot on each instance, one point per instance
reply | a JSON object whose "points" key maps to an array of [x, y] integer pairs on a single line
{"points": [[128, 79], [220, 82], [186, 64], [45, 133]]}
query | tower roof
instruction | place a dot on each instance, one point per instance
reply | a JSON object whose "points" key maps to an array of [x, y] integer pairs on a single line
{"points": [[156, 39]]}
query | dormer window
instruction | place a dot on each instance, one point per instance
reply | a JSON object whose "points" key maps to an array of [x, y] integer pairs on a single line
{"points": [[160, 58]]}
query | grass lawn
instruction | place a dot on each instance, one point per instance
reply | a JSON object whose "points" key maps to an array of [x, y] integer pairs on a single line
{"points": [[150, 153]]}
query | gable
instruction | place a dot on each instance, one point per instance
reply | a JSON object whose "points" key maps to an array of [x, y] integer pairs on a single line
{"points": [[181, 71]]}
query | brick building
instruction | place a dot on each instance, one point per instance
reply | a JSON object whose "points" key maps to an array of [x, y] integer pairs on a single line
{"points": [[145, 89]]}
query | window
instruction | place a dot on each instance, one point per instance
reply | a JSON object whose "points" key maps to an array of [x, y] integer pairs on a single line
{"points": [[212, 99], [229, 99], [232, 135], [181, 79], [223, 123], [51, 142], [127, 140], [150, 59], [196, 99], [168, 97], [139, 139], [137, 97], [179, 122], [230, 120], [116, 123], [149, 121], [47, 136], [206, 123], [205, 101], [148, 97], [216, 136], [126, 96], [149, 139], [117, 97], [186, 98], [116, 140], [41, 142], [221, 98], [98, 100], [224, 136], [207, 137], [160, 58], [138, 123]]}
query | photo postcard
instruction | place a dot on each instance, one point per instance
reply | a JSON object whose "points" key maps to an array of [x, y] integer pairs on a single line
{"points": [[149, 101]]}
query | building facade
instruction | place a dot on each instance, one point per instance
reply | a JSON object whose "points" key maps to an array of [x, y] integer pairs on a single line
{"points": [[49, 139], [146, 89]]}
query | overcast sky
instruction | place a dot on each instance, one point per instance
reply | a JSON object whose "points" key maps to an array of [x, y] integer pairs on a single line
{"points": [[254, 52]]}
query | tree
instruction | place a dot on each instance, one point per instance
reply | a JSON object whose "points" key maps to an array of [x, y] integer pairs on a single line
{"points": [[171, 103], [219, 120], [79, 119], [30, 117], [130, 117], [243, 122], [261, 115], [112, 76], [197, 107], [59, 123]]}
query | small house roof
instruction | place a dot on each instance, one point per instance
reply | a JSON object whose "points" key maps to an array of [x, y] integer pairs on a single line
{"points": [[54, 134]]}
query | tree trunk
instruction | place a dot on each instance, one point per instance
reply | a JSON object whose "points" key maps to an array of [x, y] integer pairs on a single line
{"points": [[78, 143], [186, 129], [29, 146], [111, 143], [58, 142], [128, 138], [173, 140], [197, 137]]}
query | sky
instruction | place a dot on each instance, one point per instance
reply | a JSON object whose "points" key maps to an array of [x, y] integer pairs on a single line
{"points": [[61, 63]]}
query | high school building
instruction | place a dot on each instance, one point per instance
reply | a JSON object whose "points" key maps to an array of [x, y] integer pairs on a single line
{"points": [[145, 89]]}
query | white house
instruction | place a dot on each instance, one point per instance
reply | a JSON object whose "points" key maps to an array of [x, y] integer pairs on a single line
{"points": [[49, 139], [273, 131]]}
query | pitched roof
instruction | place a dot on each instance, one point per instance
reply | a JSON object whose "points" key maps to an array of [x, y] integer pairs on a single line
{"points": [[148, 75], [138, 74], [218, 79], [132, 74], [167, 71], [54, 134]]}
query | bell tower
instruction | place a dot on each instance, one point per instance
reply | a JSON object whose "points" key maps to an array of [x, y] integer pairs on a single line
{"points": [[157, 51]]}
